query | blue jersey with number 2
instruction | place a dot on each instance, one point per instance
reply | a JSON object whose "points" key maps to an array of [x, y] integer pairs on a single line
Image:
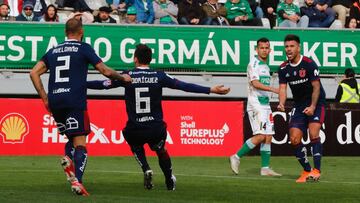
{"points": [[68, 64]]}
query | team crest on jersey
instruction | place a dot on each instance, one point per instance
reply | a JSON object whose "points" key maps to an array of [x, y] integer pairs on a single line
{"points": [[302, 73], [14, 127]]}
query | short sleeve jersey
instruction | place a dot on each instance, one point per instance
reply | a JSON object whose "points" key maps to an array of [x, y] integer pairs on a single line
{"points": [[299, 77], [68, 64], [258, 70]]}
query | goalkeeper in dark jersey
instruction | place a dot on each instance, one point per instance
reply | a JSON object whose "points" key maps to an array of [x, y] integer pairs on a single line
{"points": [[145, 123]]}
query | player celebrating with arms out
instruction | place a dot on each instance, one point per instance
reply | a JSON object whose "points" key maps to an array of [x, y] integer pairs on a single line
{"points": [[66, 99], [259, 111], [145, 123], [302, 75]]}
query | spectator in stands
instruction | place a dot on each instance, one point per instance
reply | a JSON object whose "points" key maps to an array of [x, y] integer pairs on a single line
{"points": [[191, 13], [325, 6], [85, 17], [130, 16], [120, 5], [50, 14], [4, 13], [78, 5], [239, 13], [144, 11], [104, 15], [342, 8], [289, 15], [216, 11], [352, 23], [255, 8], [269, 10], [39, 7], [299, 3], [16, 7], [355, 13], [27, 13], [319, 15], [165, 12], [348, 89]]}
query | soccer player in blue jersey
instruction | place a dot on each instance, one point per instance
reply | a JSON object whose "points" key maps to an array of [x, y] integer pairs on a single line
{"points": [[145, 123], [302, 75], [66, 98]]}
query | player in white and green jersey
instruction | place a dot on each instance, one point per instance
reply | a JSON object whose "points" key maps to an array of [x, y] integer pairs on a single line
{"points": [[258, 109]]}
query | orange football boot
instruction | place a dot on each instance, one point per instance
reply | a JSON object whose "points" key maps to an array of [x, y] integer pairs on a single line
{"points": [[303, 177], [79, 189], [314, 174]]}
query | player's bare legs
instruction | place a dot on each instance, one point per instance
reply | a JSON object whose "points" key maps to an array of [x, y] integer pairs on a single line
{"points": [[300, 152], [265, 151], [314, 131], [247, 146]]}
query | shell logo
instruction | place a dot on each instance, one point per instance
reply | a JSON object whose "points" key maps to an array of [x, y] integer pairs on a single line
{"points": [[14, 127]]}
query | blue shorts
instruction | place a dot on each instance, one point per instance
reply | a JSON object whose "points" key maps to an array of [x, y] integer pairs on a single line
{"points": [[300, 120], [72, 122], [155, 137]]}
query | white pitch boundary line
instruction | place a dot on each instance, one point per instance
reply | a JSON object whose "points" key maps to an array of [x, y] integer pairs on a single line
{"points": [[200, 176]]}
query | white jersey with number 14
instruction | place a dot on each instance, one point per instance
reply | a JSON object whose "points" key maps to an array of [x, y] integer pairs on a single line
{"points": [[258, 99]]}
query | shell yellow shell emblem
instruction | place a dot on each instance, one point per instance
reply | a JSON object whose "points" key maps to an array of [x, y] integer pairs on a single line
{"points": [[14, 127]]}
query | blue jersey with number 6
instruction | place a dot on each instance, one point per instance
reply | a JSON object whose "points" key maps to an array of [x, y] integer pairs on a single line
{"points": [[68, 64], [143, 95]]}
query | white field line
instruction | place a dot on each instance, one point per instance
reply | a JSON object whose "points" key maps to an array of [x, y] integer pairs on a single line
{"points": [[193, 175]]}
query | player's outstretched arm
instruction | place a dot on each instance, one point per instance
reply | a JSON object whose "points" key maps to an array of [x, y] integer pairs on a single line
{"points": [[112, 74], [219, 89], [104, 84], [36, 72], [258, 85]]}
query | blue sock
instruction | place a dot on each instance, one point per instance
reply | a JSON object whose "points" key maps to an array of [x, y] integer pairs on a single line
{"points": [[140, 157], [80, 159], [317, 152], [301, 155], [165, 163], [69, 150]]}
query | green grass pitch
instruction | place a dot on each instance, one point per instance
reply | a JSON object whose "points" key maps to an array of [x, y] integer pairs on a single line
{"points": [[199, 179]]}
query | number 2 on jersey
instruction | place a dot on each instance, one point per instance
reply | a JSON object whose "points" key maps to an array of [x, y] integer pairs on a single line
{"points": [[139, 100], [58, 69]]}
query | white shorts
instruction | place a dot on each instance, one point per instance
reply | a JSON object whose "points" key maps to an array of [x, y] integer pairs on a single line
{"points": [[261, 122]]}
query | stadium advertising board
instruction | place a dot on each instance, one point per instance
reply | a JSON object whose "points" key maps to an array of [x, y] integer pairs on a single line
{"points": [[195, 128], [340, 133], [201, 48]]}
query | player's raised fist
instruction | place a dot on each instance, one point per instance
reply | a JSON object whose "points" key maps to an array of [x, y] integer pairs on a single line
{"points": [[281, 107]]}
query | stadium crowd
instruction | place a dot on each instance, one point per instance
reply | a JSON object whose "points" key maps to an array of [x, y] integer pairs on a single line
{"points": [[266, 13]]}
